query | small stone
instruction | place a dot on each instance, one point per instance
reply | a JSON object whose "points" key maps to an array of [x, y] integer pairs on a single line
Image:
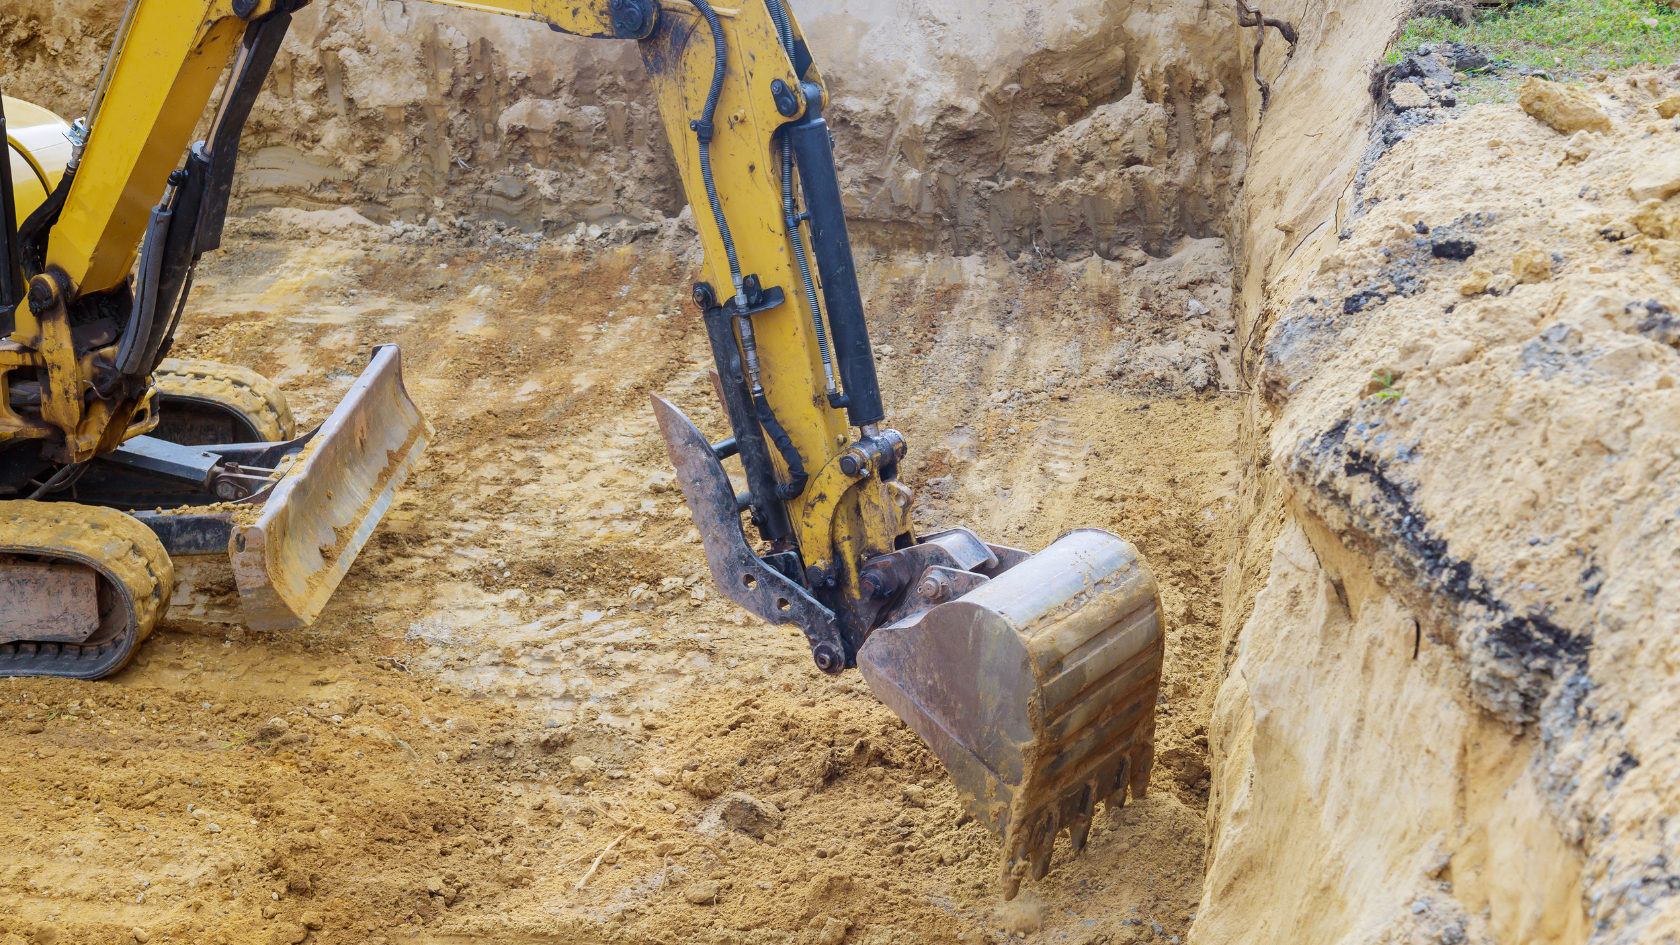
{"points": [[1408, 95], [663, 775], [311, 920], [707, 783], [1565, 108], [1531, 264], [1195, 308], [1579, 147], [583, 765], [1655, 221], [1475, 283], [140, 935], [702, 893], [1199, 375], [915, 795], [1451, 353], [1658, 180], [32, 728], [833, 931], [1451, 247], [750, 815], [1668, 107]]}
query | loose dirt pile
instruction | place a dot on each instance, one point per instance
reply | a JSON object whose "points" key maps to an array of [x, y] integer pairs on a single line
{"points": [[527, 715]]}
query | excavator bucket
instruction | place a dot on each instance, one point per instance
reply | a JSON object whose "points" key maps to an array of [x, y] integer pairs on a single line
{"points": [[1036, 687], [289, 558]]}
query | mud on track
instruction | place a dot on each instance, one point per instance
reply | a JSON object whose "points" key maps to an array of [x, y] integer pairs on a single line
{"points": [[527, 665]]}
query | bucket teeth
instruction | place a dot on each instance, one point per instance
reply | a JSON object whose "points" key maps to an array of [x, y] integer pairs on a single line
{"points": [[1078, 834], [1036, 688]]}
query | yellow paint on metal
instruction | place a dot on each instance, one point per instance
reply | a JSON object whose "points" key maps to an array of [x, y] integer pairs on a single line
{"points": [[61, 395], [39, 137], [747, 171], [175, 53], [170, 63]]}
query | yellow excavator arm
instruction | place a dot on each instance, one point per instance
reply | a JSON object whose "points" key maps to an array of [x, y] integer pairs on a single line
{"points": [[1032, 676]]}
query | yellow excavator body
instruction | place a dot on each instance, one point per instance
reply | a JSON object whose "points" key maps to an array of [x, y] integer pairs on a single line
{"points": [[1032, 676]]}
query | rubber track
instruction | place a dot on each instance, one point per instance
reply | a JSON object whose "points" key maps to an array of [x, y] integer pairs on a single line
{"points": [[241, 390], [124, 552]]}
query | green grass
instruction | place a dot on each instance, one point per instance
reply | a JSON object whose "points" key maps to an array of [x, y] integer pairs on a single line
{"points": [[1567, 38]]}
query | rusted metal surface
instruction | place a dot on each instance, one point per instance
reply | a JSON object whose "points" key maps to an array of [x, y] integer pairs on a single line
{"points": [[47, 601], [1036, 688], [315, 521], [739, 573]]}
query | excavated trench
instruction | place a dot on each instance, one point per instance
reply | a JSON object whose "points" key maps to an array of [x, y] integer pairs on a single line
{"points": [[1106, 289]]}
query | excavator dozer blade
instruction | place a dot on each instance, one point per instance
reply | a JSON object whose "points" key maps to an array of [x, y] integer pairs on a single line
{"points": [[1037, 690], [288, 562]]}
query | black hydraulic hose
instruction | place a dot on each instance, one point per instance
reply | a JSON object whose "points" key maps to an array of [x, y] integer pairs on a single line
{"points": [[32, 234], [784, 31], [139, 331], [66, 477], [703, 130], [790, 210], [797, 477]]}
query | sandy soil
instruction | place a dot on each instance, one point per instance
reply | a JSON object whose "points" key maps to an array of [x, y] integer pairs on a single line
{"points": [[526, 716]]}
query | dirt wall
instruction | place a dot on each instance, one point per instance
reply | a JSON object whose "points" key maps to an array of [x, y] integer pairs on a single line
{"points": [[1438, 717], [960, 127]]}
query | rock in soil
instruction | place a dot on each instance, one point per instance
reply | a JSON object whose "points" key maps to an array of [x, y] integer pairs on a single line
{"points": [[1565, 108]]}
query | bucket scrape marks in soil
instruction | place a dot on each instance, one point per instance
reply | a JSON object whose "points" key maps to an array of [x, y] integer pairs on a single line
{"points": [[530, 682]]}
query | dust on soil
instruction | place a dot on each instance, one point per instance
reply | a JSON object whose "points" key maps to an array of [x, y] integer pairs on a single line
{"points": [[526, 716]]}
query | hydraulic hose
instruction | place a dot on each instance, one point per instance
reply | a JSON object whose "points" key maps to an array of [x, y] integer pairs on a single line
{"points": [[139, 331], [703, 131], [797, 477], [32, 232], [790, 212]]}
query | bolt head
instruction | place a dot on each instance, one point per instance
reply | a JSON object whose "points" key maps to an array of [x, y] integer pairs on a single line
{"points": [[828, 658], [41, 293], [934, 587], [704, 295], [786, 102], [632, 18]]}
